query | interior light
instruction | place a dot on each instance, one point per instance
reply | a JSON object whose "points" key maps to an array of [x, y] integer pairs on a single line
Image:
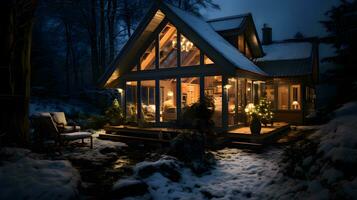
{"points": [[227, 86], [170, 94]]}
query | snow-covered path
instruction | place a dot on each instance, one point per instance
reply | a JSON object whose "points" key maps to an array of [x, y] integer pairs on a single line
{"points": [[237, 175]]}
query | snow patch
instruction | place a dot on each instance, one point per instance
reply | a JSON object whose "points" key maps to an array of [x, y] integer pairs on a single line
{"points": [[23, 175], [286, 51]]}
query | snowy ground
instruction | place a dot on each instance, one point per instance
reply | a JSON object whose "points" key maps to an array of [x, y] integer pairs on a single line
{"points": [[237, 175], [102, 151], [330, 170], [25, 175], [70, 107]]}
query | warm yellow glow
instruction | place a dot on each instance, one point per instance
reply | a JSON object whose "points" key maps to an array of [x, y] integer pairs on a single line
{"points": [[295, 105], [120, 90], [250, 109], [128, 83], [170, 94], [227, 87]]}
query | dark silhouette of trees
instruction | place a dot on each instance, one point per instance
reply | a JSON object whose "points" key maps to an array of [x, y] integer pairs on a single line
{"points": [[342, 26], [16, 38]]}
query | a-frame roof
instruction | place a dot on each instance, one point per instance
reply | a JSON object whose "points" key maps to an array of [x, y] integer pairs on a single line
{"points": [[239, 24], [196, 29]]}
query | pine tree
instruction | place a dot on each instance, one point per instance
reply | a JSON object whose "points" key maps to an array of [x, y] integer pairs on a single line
{"points": [[264, 110]]}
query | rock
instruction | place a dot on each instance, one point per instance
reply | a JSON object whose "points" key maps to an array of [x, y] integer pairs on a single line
{"points": [[168, 168], [129, 188], [107, 150], [146, 171], [170, 173]]}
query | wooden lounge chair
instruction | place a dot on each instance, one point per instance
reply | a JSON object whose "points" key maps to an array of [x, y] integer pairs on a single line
{"points": [[47, 129], [61, 123]]}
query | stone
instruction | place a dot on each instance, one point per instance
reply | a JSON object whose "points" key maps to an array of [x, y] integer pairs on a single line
{"points": [[129, 188]]}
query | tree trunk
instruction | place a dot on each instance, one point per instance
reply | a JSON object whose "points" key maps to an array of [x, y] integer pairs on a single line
{"points": [[68, 57], [127, 18], [92, 30], [111, 16], [102, 37], [16, 37]]}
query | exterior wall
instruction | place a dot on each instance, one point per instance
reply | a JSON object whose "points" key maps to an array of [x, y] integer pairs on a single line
{"points": [[293, 117]]}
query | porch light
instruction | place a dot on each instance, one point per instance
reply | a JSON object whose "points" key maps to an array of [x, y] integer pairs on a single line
{"points": [[227, 86], [120, 90]]}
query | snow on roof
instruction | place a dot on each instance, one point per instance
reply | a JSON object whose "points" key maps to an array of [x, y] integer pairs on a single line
{"points": [[286, 51], [204, 30], [226, 24]]}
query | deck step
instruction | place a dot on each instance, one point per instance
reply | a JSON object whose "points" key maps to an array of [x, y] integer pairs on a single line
{"points": [[248, 145], [125, 138]]}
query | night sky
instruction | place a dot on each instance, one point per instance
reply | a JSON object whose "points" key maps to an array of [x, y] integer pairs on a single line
{"points": [[286, 17]]}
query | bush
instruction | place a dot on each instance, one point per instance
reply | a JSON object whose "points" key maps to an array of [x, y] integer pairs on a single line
{"points": [[199, 115], [114, 114]]}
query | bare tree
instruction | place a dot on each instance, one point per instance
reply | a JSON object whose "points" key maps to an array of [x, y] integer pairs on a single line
{"points": [[16, 39]]}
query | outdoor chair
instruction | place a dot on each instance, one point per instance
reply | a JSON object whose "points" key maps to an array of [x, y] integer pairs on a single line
{"points": [[47, 129], [61, 123]]}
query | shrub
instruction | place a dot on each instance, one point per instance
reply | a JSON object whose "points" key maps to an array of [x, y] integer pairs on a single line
{"points": [[199, 115], [114, 114], [264, 111]]}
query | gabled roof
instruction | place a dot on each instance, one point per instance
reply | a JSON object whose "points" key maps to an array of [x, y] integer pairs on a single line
{"points": [[286, 51], [216, 41], [237, 25], [228, 23], [193, 27], [285, 68], [287, 59]]}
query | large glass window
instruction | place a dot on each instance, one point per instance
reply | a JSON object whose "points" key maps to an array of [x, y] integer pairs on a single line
{"points": [[213, 89], [256, 92], [190, 54], [283, 97], [207, 60], [131, 101], [168, 47], [148, 100], [231, 88], [147, 60], [270, 94], [168, 104], [295, 97], [249, 94], [190, 91], [241, 101]]}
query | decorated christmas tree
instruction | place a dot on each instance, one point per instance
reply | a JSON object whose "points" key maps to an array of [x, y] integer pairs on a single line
{"points": [[264, 111]]}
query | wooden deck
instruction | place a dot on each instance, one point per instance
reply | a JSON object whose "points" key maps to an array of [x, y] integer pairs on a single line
{"points": [[240, 137], [267, 135]]}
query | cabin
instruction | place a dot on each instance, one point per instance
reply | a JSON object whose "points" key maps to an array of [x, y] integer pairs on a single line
{"points": [[174, 58]]}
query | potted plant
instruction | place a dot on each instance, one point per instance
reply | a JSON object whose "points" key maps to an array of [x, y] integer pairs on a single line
{"points": [[254, 120], [255, 124]]}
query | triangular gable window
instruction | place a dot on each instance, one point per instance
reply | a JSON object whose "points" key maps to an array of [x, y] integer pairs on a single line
{"points": [[190, 54], [168, 43], [147, 60], [168, 52]]}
